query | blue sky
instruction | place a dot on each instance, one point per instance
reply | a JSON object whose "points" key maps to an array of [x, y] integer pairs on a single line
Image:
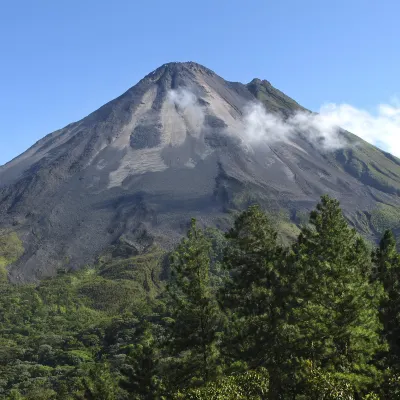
{"points": [[62, 59]]}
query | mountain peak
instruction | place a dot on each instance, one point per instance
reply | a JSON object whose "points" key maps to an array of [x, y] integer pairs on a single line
{"points": [[191, 65], [262, 82], [175, 68], [176, 145]]}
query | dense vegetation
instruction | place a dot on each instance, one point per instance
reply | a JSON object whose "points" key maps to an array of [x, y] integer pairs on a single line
{"points": [[239, 317]]}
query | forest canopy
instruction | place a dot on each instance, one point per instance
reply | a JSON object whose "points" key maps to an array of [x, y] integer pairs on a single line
{"points": [[239, 316]]}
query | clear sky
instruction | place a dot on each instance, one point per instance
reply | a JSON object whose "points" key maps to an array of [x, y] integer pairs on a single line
{"points": [[62, 59]]}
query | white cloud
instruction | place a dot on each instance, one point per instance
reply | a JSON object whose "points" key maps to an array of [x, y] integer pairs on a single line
{"points": [[381, 128], [322, 129], [187, 104], [261, 125]]}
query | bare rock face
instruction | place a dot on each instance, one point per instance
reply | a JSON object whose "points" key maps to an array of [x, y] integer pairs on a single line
{"points": [[133, 172]]}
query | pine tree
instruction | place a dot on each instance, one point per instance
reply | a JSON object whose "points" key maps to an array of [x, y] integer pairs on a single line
{"points": [[335, 305], [254, 295], [249, 257], [196, 319], [141, 366], [387, 261]]}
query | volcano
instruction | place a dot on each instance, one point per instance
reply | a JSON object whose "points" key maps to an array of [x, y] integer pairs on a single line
{"points": [[131, 174]]}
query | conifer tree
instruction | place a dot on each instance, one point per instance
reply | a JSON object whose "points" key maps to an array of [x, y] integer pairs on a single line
{"points": [[196, 319], [249, 257], [141, 366], [387, 261], [254, 295], [335, 305]]}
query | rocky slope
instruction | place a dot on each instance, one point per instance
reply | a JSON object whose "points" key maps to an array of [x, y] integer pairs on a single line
{"points": [[174, 146]]}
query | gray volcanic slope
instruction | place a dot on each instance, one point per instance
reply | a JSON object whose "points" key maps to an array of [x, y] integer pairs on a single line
{"points": [[133, 172]]}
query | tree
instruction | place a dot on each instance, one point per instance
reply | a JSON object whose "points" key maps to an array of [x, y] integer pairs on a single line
{"points": [[334, 309], [250, 385], [195, 316], [323, 385], [15, 395], [141, 367], [387, 261], [99, 383], [249, 258], [255, 293]]}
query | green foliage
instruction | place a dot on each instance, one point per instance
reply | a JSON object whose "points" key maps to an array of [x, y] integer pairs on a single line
{"points": [[323, 385], [387, 262], [287, 232], [15, 395], [334, 310], [144, 269], [195, 317], [11, 249], [54, 335], [113, 296], [251, 385], [385, 217], [271, 97], [251, 294], [242, 318], [99, 383], [141, 367], [393, 390], [362, 162], [250, 250]]}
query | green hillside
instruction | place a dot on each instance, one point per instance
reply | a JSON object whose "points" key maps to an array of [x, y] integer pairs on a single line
{"points": [[11, 249], [242, 315]]}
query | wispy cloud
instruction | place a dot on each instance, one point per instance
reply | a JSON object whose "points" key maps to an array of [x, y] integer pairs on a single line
{"points": [[261, 125], [322, 129], [188, 105], [381, 128]]}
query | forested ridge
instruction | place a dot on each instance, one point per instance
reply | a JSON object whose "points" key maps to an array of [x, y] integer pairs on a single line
{"points": [[239, 316]]}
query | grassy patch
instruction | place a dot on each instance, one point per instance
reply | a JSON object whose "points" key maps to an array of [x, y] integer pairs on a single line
{"points": [[385, 217], [144, 269], [370, 165], [11, 249]]}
